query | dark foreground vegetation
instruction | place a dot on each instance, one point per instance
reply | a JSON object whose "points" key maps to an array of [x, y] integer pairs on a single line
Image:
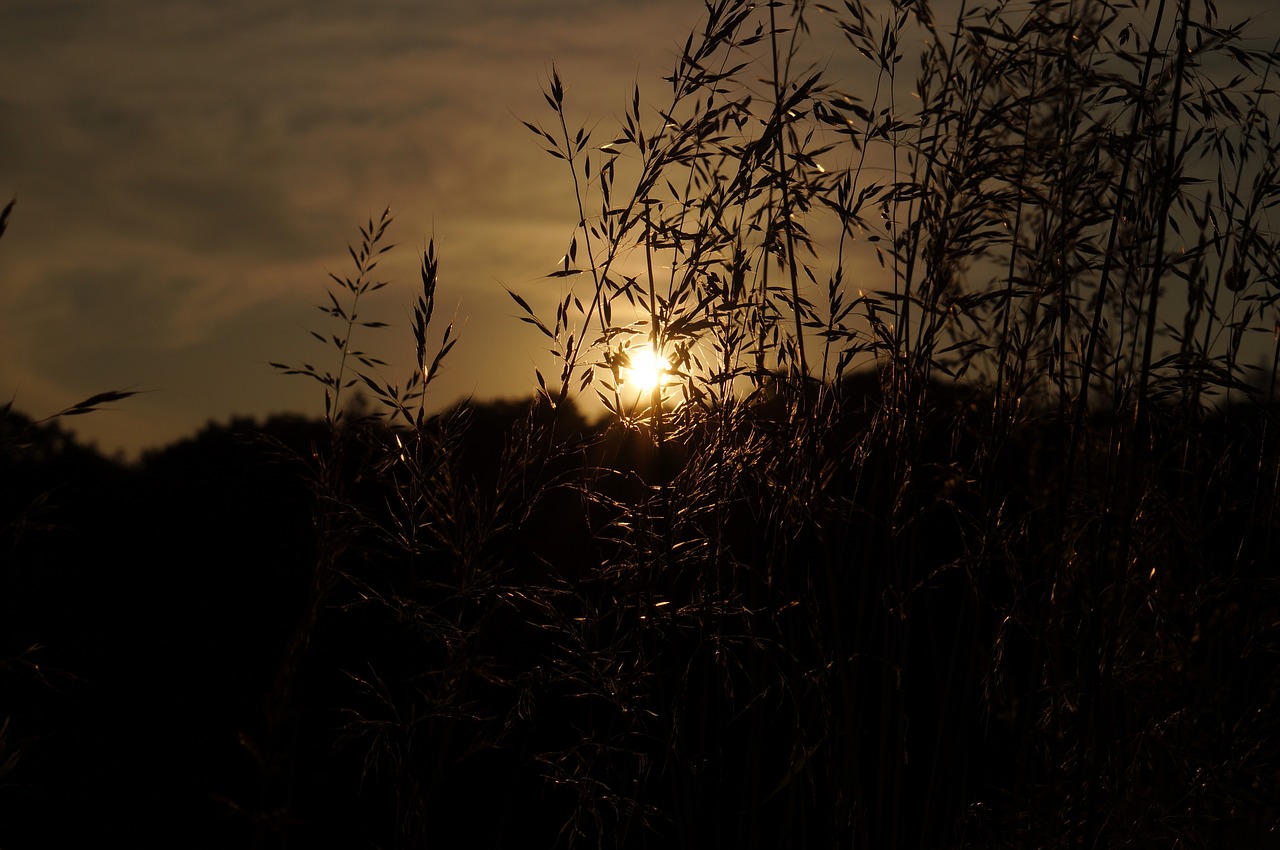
{"points": [[784, 667], [954, 525]]}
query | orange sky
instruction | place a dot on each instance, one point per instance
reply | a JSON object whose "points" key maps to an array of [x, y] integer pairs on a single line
{"points": [[188, 172]]}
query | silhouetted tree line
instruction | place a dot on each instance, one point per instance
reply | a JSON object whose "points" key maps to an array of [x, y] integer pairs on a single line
{"points": [[526, 630]]}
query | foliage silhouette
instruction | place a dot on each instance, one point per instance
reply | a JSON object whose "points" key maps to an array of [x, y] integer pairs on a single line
{"points": [[980, 552]]}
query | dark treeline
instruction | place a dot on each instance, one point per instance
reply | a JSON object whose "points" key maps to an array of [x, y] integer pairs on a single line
{"points": [[516, 629]]}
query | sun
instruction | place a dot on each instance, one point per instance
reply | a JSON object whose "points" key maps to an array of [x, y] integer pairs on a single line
{"points": [[646, 370]]}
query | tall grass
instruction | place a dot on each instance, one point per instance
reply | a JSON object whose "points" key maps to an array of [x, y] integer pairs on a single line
{"points": [[954, 524]]}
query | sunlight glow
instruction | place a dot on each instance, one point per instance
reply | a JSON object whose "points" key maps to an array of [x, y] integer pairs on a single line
{"points": [[646, 370]]}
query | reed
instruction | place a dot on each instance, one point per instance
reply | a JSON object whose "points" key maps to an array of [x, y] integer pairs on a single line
{"points": [[954, 521]]}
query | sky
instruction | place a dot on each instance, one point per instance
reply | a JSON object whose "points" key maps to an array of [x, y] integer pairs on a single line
{"points": [[188, 172]]}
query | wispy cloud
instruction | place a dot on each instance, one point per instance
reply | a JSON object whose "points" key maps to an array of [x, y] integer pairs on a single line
{"points": [[187, 169]]}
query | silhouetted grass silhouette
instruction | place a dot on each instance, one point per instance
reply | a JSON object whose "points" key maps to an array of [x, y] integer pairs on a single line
{"points": [[955, 525]]}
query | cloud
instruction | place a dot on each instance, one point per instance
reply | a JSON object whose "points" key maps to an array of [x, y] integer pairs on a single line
{"points": [[187, 169]]}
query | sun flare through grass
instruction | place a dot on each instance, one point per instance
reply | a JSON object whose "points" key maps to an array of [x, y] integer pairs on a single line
{"points": [[646, 370]]}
